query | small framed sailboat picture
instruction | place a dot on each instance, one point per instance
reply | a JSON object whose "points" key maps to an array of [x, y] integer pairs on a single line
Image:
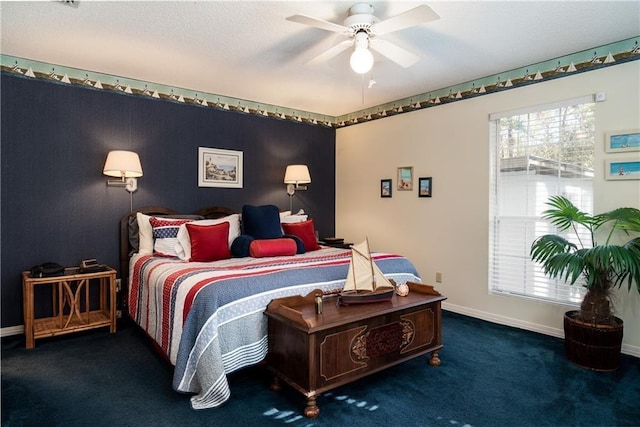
{"points": [[385, 188], [628, 168], [405, 178], [628, 140], [424, 187]]}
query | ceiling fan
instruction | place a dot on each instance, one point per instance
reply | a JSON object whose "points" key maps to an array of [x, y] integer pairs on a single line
{"points": [[363, 29]]}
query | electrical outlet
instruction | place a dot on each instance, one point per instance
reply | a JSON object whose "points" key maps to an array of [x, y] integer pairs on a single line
{"points": [[119, 314], [438, 277], [118, 285]]}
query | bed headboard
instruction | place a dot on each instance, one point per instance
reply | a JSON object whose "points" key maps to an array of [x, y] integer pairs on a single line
{"points": [[209, 212], [213, 212]]}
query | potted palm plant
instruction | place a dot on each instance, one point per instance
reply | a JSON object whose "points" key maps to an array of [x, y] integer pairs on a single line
{"points": [[611, 259]]}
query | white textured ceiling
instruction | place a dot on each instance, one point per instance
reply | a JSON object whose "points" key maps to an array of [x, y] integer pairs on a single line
{"points": [[247, 50]]}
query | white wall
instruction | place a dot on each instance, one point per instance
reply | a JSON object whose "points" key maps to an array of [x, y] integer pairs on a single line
{"points": [[448, 233]]}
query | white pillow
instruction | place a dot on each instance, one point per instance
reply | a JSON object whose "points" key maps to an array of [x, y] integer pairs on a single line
{"points": [[145, 234], [293, 218], [284, 214], [183, 244]]}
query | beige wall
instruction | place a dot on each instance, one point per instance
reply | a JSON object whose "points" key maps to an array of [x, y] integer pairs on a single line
{"points": [[448, 233]]}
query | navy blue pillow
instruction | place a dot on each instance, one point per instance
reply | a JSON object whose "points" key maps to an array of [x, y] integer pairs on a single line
{"points": [[240, 246], [261, 222], [300, 249]]}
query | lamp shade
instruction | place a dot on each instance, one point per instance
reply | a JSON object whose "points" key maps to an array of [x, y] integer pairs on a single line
{"points": [[122, 164], [297, 174]]}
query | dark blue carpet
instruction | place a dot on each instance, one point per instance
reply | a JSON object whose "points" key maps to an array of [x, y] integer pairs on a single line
{"points": [[491, 375]]}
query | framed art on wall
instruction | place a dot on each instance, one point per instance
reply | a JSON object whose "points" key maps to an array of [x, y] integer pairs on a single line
{"points": [[622, 141], [618, 169], [385, 188], [424, 187], [219, 168], [405, 178]]}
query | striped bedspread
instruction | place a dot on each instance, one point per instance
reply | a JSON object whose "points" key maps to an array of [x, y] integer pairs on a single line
{"points": [[208, 317]]}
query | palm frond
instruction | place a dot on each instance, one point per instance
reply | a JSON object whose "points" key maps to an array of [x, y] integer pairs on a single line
{"points": [[624, 219], [627, 219], [633, 267], [565, 214], [568, 267], [544, 247]]}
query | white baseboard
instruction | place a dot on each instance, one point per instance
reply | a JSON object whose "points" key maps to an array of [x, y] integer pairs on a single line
{"points": [[517, 323], [11, 330]]}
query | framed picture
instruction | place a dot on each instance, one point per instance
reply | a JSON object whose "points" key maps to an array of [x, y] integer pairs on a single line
{"points": [[424, 187], [628, 140], [219, 168], [622, 169], [385, 188], [405, 178]]}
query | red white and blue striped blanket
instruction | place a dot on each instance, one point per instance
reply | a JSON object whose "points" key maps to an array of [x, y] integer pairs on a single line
{"points": [[208, 317]]}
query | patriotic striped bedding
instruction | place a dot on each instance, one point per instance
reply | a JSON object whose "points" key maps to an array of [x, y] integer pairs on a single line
{"points": [[208, 317]]}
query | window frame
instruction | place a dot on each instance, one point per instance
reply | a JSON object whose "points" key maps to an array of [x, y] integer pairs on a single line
{"points": [[535, 285]]}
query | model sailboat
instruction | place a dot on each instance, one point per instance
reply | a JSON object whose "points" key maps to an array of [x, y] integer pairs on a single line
{"points": [[365, 282]]}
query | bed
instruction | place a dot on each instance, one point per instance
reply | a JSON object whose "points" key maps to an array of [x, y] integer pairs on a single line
{"points": [[206, 318]]}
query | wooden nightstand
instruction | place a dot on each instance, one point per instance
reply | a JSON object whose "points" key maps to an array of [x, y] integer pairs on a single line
{"points": [[335, 242], [71, 312]]}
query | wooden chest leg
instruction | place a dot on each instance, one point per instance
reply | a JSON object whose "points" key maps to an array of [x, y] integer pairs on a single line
{"points": [[275, 384], [311, 410], [434, 360]]}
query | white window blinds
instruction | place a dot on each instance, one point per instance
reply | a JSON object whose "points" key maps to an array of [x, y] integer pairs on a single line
{"points": [[536, 153]]}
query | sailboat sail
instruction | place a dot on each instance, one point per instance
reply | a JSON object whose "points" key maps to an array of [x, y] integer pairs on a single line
{"points": [[364, 277]]}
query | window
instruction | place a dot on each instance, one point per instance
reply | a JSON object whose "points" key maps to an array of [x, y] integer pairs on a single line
{"points": [[536, 153]]}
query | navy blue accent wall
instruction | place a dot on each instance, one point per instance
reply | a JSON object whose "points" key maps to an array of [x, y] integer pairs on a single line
{"points": [[56, 206]]}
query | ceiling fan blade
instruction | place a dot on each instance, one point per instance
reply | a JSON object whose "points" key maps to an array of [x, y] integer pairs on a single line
{"points": [[330, 53], [394, 52], [416, 16], [318, 23]]}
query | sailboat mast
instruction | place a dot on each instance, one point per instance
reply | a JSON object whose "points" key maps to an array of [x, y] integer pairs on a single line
{"points": [[373, 273], [353, 266]]}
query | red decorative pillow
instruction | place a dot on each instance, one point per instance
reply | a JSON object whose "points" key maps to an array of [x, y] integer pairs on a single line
{"points": [[209, 242], [305, 231], [261, 248]]}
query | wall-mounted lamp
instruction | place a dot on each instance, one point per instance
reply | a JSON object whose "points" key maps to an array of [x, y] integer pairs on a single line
{"points": [[293, 177], [124, 165]]}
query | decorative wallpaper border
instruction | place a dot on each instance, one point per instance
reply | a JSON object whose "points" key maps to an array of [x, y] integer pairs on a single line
{"points": [[587, 60]]}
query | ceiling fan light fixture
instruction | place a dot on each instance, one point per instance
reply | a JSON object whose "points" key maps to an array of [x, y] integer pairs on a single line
{"points": [[361, 60], [362, 26]]}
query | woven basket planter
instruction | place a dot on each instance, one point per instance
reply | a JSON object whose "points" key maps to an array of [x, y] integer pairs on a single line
{"points": [[592, 346]]}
